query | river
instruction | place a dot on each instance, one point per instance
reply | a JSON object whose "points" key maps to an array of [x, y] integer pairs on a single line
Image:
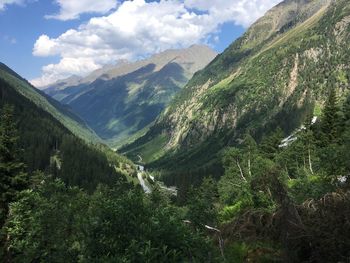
{"points": [[142, 181]]}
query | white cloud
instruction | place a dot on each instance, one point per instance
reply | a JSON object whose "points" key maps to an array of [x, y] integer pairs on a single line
{"points": [[241, 12], [137, 29], [4, 3], [75, 66], [44, 46], [71, 9]]}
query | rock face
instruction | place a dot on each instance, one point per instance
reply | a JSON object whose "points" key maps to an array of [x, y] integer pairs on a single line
{"points": [[276, 74], [120, 101]]}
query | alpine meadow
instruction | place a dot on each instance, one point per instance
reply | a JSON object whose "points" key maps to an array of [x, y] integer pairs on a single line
{"points": [[175, 131]]}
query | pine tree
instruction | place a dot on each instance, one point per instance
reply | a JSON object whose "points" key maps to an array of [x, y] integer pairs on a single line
{"points": [[330, 127], [346, 112], [308, 141], [12, 176], [270, 144], [201, 204]]}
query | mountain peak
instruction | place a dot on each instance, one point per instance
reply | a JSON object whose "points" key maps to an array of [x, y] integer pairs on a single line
{"points": [[273, 75], [122, 99], [280, 18], [193, 58]]}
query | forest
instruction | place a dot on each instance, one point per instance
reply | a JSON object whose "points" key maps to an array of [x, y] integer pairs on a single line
{"points": [[152, 151], [279, 200]]}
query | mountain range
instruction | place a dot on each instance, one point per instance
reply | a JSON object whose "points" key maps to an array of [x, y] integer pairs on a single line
{"points": [[177, 114], [236, 157], [120, 101], [275, 75]]}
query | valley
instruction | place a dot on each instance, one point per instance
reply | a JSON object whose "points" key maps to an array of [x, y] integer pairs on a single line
{"points": [[121, 102], [254, 88], [155, 141]]}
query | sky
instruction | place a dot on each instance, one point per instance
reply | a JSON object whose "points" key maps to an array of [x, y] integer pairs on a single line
{"points": [[48, 40]]}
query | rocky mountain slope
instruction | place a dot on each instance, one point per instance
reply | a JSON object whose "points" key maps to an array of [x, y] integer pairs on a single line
{"points": [[276, 74], [120, 101]]}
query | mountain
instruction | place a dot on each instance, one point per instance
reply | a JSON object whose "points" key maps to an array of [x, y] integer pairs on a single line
{"points": [[56, 89], [46, 141], [276, 74], [62, 113], [120, 101]]}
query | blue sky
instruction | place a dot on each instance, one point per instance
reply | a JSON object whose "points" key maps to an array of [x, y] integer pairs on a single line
{"points": [[20, 27], [44, 40]]}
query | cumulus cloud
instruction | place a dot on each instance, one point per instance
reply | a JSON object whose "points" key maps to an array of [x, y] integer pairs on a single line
{"points": [[138, 28], [71, 9], [241, 12], [74, 66]]}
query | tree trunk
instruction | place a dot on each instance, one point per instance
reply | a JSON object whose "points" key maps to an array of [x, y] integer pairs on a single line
{"points": [[241, 171], [249, 166], [310, 161]]}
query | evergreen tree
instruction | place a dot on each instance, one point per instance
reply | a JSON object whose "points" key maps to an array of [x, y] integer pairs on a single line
{"points": [[330, 127], [201, 204], [345, 140], [12, 176], [270, 144], [331, 137], [346, 112]]}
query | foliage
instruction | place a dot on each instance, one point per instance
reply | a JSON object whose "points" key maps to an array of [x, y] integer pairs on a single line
{"points": [[279, 199], [201, 204], [45, 144], [13, 179], [282, 69], [303, 183], [55, 223]]}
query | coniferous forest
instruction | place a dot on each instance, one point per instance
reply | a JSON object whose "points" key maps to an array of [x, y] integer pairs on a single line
{"points": [[248, 162], [275, 202]]}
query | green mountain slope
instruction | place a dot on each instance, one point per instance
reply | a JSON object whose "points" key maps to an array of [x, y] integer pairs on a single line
{"points": [[58, 111], [119, 102], [46, 144], [276, 74]]}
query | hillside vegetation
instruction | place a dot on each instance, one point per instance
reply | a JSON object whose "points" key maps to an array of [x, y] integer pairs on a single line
{"points": [[257, 144], [47, 145], [276, 74], [63, 200], [58, 111]]}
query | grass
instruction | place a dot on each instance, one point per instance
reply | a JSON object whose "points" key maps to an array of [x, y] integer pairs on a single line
{"points": [[318, 109], [154, 150], [239, 252], [117, 143], [223, 83], [133, 88], [151, 150]]}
